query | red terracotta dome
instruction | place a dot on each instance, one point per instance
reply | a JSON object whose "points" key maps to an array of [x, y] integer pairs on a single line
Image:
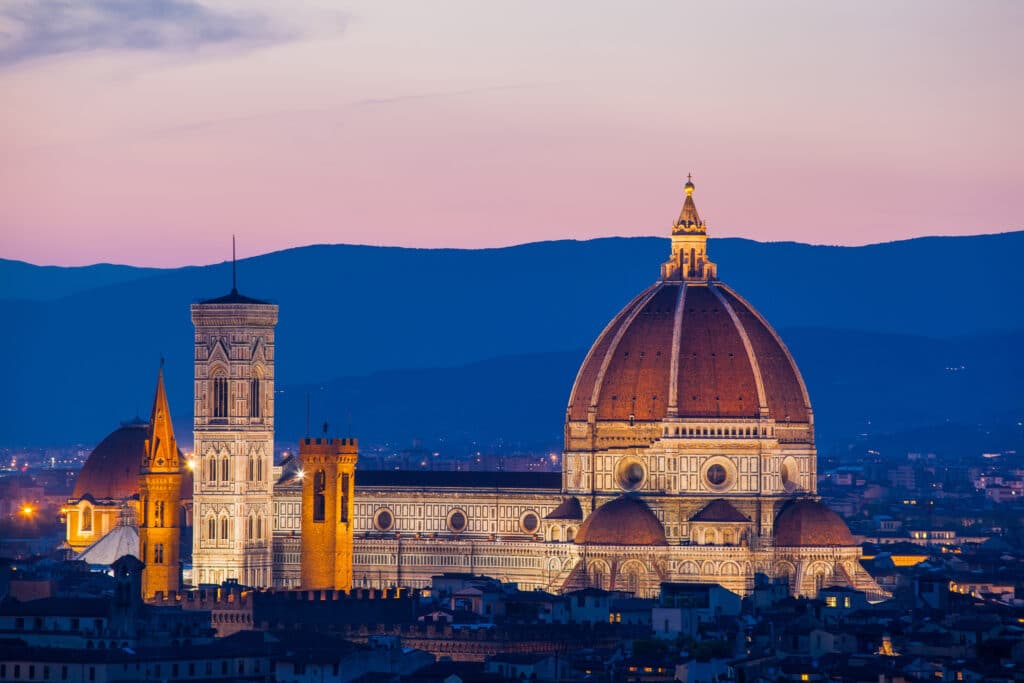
{"points": [[623, 521], [112, 469], [688, 349], [810, 523]]}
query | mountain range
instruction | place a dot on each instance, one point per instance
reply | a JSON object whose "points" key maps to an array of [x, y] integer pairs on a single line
{"points": [[481, 346]]}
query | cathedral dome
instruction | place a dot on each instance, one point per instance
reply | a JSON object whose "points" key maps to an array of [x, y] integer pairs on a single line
{"points": [[623, 521], [689, 347], [112, 469], [810, 523]]}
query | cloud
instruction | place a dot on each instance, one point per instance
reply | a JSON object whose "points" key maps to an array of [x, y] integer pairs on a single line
{"points": [[39, 28]]}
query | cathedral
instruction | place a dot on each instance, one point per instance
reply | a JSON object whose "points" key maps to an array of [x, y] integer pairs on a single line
{"points": [[689, 456]]}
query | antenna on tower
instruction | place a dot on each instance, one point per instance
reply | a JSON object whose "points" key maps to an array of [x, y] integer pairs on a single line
{"points": [[234, 268], [307, 414]]}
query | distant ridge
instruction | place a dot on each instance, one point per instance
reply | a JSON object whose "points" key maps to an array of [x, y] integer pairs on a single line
{"points": [[81, 341]]}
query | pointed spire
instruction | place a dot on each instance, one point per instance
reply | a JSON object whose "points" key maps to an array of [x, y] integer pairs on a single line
{"points": [[689, 220], [161, 448]]}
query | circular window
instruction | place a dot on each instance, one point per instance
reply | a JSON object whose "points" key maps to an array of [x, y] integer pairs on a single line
{"points": [[383, 520], [529, 522], [457, 520], [631, 474], [719, 474]]}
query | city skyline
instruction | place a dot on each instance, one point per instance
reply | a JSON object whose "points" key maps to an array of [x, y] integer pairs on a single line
{"points": [[190, 121]]}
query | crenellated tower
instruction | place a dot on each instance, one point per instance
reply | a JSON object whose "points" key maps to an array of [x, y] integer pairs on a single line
{"points": [[159, 498], [234, 440], [328, 486]]}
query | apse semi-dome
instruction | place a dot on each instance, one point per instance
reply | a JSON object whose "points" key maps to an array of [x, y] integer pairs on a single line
{"points": [[689, 347], [112, 469], [623, 521], [809, 523]]}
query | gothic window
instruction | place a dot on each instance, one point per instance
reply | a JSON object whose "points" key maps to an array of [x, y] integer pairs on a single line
{"points": [[224, 528], [343, 512], [211, 528], [250, 534], [220, 396], [158, 513], [259, 527], [224, 469], [86, 518], [259, 469], [158, 553], [213, 469], [319, 500], [254, 397], [251, 468]]}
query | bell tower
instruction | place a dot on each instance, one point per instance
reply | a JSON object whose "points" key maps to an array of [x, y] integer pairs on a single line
{"points": [[328, 485], [159, 497], [234, 439]]}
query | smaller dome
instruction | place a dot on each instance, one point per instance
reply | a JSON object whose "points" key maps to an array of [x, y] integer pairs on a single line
{"points": [[112, 469], [623, 521], [810, 523]]}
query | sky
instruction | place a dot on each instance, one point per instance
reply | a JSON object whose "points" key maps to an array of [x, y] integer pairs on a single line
{"points": [[148, 132]]}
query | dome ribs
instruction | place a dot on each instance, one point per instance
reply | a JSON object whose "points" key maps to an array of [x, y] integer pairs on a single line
{"points": [[784, 389], [636, 381], [715, 375], [585, 386]]}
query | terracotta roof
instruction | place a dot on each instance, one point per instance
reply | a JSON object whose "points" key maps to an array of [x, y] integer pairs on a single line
{"points": [[623, 521], [569, 508], [810, 523], [628, 370], [112, 469], [719, 510]]}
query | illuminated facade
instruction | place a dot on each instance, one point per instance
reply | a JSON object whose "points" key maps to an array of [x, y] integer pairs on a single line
{"points": [[328, 514], [159, 492], [234, 439], [689, 456]]}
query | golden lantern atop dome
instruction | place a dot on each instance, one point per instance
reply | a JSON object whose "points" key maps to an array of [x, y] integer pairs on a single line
{"points": [[689, 259]]}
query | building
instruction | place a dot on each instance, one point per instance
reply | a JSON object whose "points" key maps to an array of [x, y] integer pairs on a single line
{"points": [[689, 456], [234, 439]]}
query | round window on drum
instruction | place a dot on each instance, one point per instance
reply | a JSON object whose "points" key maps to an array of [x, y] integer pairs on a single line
{"points": [[383, 520], [457, 520]]}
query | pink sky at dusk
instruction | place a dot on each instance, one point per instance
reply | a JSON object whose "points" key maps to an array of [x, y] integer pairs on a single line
{"points": [[148, 135]]}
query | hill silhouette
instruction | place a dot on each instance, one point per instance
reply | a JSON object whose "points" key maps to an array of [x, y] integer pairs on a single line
{"points": [[82, 345]]}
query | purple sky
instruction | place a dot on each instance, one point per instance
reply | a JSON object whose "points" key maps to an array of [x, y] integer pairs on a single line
{"points": [[148, 131]]}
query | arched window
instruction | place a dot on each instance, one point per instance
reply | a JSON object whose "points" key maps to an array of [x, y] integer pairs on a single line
{"points": [[259, 468], [86, 517], [224, 469], [254, 397], [259, 527], [212, 469], [343, 500], [249, 536], [211, 528], [319, 499], [251, 468], [219, 394], [224, 528], [158, 553]]}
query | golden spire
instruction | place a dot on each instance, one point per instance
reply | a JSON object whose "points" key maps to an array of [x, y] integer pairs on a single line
{"points": [[161, 448], [689, 220], [689, 258]]}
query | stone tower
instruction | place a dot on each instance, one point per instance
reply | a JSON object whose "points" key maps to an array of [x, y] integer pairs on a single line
{"points": [[234, 440], [328, 484], [159, 497]]}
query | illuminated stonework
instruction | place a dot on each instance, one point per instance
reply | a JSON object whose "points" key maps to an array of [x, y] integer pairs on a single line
{"points": [[689, 456], [328, 512], [234, 440]]}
